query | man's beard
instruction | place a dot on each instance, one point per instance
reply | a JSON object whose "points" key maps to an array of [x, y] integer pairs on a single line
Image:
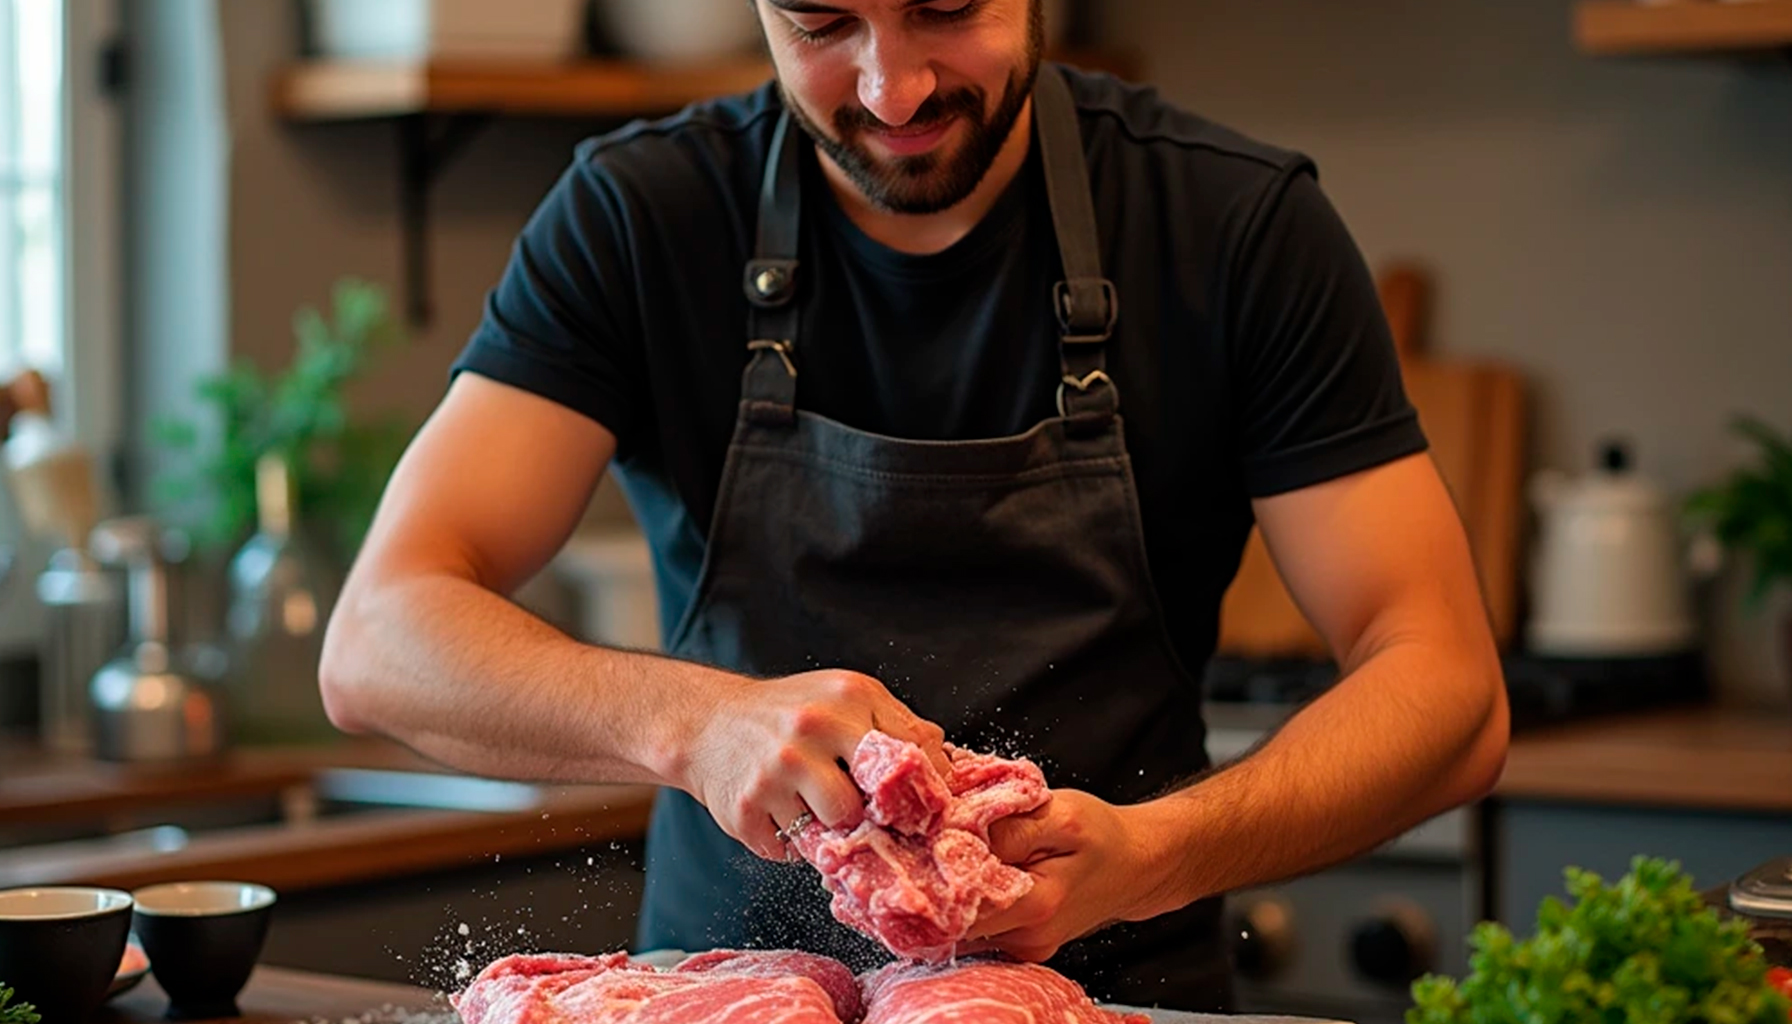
{"points": [[930, 182]]}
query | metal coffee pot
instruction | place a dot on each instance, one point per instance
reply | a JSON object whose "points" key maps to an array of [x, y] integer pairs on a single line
{"points": [[148, 704]]}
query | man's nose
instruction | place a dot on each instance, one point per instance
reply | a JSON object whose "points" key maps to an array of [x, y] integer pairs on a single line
{"points": [[895, 78]]}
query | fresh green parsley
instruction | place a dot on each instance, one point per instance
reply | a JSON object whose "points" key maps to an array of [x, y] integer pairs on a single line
{"points": [[1647, 950], [20, 1013]]}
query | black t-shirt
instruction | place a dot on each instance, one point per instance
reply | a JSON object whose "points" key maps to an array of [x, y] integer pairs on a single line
{"points": [[1251, 354]]}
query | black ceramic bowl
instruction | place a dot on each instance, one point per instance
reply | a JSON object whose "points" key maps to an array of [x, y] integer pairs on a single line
{"points": [[60, 947], [203, 939]]}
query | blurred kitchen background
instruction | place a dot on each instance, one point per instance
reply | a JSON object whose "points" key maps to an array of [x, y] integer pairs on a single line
{"points": [[1581, 214]]}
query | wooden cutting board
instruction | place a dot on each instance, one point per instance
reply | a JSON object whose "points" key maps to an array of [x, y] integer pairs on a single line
{"points": [[1473, 414]]}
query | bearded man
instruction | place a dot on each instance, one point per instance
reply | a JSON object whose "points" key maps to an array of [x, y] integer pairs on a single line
{"points": [[946, 385]]}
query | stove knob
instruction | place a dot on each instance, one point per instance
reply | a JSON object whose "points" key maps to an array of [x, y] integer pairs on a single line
{"points": [[1262, 938], [1394, 947]]}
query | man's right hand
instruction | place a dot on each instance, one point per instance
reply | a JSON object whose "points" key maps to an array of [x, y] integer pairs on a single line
{"points": [[774, 749]]}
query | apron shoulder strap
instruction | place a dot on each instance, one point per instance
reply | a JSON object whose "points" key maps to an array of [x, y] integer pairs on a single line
{"points": [[769, 387], [1086, 302]]}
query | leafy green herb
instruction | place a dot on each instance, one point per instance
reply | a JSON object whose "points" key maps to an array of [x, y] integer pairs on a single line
{"points": [[1644, 951], [1752, 510], [339, 467], [16, 1013]]}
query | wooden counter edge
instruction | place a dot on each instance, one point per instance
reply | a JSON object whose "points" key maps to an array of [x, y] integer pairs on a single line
{"points": [[375, 846], [1691, 758]]}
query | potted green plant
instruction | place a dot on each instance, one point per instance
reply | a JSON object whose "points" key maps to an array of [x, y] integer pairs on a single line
{"points": [[339, 466], [1751, 513]]}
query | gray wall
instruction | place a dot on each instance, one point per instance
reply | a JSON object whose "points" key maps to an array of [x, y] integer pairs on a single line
{"points": [[1620, 230]]}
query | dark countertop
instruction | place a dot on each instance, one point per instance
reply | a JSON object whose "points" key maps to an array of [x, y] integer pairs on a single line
{"points": [[277, 996]]}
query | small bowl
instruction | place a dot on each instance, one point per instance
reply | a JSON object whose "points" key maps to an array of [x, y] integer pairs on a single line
{"points": [[203, 939], [60, 947]]}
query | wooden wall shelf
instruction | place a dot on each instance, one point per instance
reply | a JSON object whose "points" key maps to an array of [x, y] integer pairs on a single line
{"points": [[1614, 27], [346, 90], [438, 106]]}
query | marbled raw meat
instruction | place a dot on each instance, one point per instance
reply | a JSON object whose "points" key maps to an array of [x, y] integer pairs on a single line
{"points": [[917, 873], [830, 974], [563, 989], [981, 992]]}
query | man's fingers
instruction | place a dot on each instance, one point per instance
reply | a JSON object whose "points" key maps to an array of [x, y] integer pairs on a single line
{"points": [[765, 840], [831, 794], [762, 838], [924, 734], [1021, 838]]}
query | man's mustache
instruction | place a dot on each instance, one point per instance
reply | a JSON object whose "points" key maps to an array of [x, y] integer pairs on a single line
{"points": [[938, 107]]}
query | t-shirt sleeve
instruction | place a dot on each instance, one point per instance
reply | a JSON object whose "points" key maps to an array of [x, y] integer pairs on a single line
{"points": [[1318, 387], [563, 322]]}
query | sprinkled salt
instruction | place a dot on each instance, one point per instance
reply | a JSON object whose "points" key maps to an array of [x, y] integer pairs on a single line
{"points": [[463, 929]]}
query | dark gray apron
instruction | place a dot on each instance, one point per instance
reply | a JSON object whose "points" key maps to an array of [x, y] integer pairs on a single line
{"points": [[997, 587]]}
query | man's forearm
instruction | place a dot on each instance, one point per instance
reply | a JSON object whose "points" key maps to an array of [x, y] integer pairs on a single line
{"points": [[464, 676], [1390, 746]]}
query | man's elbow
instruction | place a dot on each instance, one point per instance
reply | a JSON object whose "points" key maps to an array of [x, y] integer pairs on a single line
{"points": [[1484, 754], [338, 682]]}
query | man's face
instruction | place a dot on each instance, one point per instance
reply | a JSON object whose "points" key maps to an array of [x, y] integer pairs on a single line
{"points": [[913, 99]]}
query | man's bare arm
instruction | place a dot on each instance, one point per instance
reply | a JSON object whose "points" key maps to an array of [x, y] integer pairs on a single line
{"points": [[424, 642], [1379, 563], [425, 646]]}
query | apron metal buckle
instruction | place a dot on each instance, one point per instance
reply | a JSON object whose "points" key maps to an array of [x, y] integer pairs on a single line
{"points": [[782, 348], [1082, 384], [1087, 310]]}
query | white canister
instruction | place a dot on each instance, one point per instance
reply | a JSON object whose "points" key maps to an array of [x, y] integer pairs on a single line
{"points": [[421, 29], [1610, 574]]}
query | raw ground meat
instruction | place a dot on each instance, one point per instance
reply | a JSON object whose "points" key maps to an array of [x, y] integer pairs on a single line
{"points": [[917, 873], [830, 974], [981, 992], [563, 989]]}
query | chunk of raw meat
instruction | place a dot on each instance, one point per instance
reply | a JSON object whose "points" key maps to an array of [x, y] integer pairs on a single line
{"points": [[611, 990], [902, 790], [830, 974], [918, 873], [981, 992]]}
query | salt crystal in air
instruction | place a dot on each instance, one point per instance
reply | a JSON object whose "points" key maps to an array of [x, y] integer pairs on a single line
{"points": [[463, 929]]}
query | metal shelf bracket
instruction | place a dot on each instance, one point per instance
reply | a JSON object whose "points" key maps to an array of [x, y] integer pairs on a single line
{"points": [[427, 144]]}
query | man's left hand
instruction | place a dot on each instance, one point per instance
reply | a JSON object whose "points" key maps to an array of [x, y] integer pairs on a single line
{"points": [[1092, 863]]}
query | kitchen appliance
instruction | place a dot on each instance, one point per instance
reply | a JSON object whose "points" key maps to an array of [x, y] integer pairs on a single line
{"points": [[1764, 898], [1765, 892], [1610, 575], [149, 704]]}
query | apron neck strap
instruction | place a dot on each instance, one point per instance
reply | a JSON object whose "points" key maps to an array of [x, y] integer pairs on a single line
{"points": [[1085, 301], [769, 389]]}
